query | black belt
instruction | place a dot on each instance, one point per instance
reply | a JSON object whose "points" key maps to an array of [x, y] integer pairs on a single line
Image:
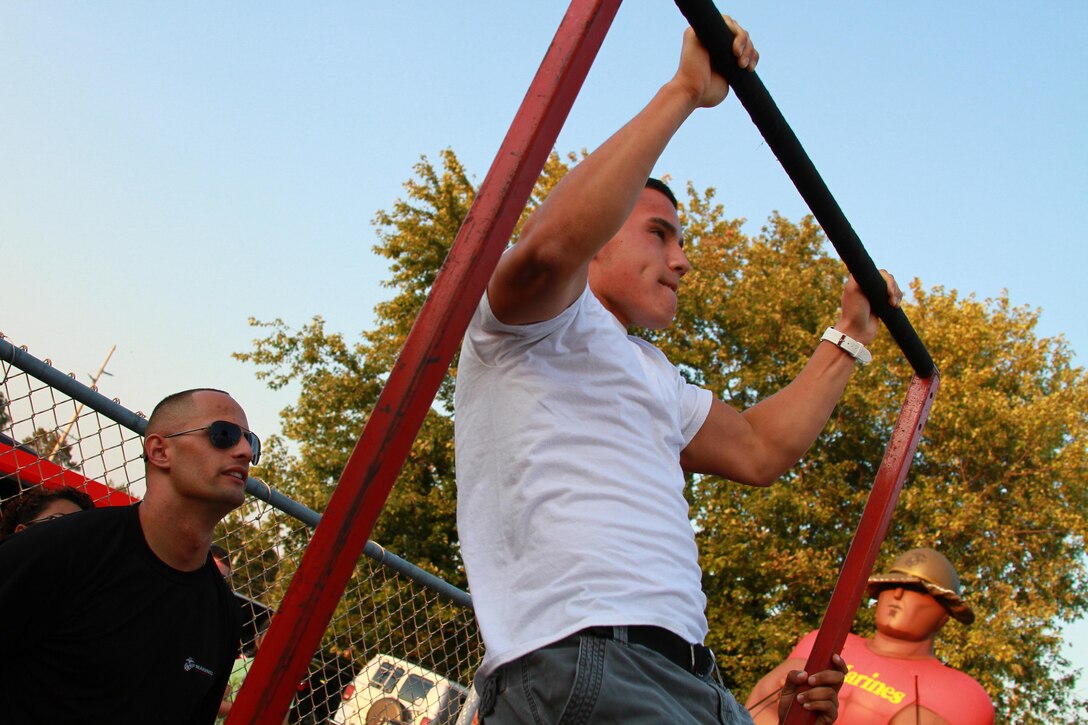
{"points": [[694, 658]]}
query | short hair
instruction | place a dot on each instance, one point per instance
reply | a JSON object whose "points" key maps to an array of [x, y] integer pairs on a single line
{"points": [[26, 506], [173, 403], [661, 186]]}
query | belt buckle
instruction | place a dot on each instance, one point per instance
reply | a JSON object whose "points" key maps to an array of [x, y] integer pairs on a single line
{"points": [[705, 668]]}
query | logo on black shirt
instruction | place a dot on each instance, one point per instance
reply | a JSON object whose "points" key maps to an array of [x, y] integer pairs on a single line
{"points": [[190, 664]]}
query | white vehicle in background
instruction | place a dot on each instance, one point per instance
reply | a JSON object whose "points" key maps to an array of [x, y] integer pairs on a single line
{"points": [[392, 691]]}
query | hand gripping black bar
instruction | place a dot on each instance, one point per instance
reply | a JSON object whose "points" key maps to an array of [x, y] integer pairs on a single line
{"points": [[717, 38]]}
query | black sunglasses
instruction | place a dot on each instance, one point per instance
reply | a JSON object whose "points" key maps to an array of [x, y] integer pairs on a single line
{"points": [[905, 586], [43, 519], [224, 434]]}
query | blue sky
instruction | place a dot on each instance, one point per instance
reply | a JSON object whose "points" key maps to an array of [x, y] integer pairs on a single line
{"points": [[169, 170]]}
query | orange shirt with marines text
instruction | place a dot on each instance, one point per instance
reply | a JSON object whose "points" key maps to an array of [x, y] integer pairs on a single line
{"points": [[877, 687]]}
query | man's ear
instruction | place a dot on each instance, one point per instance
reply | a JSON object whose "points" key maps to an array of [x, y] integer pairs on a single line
{"points": [[156, 451]]}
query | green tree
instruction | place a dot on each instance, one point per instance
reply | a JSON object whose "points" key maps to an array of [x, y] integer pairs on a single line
{"points": [[999, 483], [44, 441], [250, 539], [340, 383]]}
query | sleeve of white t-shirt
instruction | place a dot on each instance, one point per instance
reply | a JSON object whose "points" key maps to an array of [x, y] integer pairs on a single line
{"points": [[695, 405], [488, 336]]}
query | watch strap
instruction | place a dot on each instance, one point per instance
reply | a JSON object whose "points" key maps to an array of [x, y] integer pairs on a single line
{"points": [[849, 345]]}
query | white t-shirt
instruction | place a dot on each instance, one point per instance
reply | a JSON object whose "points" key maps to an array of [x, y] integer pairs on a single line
{"points": [[571, 509]]}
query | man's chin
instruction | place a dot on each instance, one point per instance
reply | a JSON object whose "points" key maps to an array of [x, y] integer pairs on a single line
{"points": [[660, 323], [232, 497], [239, 499]]}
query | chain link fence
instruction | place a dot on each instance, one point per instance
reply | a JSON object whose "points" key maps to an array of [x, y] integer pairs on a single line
{"points": [[403, 645]]}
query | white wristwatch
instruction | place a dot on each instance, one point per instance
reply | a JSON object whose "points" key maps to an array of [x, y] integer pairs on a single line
{"points": [[849, 345]]}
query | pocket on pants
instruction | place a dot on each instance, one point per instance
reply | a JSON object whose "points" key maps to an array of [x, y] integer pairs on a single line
{"points": [[588, 677], [555, 685]]}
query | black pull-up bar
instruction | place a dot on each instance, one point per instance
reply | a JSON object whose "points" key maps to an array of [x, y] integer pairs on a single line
{"points": [[717, 38]]}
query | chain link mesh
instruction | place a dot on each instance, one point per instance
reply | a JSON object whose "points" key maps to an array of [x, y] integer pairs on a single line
{"points": [[395, 651]]}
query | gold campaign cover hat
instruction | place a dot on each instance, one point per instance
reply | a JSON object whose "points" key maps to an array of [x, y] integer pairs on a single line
{"points": [[930, 569]]}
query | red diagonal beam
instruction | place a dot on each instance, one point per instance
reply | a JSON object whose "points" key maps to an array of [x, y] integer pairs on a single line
{"points": [[33, 470], [871, 532], [413, 383]]}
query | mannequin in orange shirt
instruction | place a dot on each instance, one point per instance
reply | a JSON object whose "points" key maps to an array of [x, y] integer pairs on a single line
{"points": [[894, 676]]}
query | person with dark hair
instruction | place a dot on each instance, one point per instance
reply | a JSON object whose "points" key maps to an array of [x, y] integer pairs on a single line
{"points": [[38, 505], [895, 677], [222, 562], [573, 438], [130, 612]]}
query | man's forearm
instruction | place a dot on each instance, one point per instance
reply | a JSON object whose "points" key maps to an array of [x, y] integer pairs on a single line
{"points": [[790, 420], [548, 268], [591, 203]]}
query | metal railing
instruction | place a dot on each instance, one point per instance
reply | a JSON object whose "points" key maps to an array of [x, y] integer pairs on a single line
{"points": [[394, 617]]}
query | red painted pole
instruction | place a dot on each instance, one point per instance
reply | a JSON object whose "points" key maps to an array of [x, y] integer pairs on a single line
{"points": [[33, 470], [377, 459], [870, 533]]}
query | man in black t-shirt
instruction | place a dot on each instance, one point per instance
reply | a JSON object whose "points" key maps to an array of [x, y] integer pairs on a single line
{"points": [[120, 615]]}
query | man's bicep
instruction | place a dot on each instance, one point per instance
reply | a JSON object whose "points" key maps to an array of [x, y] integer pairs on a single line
{"points": [[530, 286], [726, 445]]}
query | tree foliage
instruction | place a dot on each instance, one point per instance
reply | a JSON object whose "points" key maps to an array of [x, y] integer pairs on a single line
{"points": [[998, 484], [43, 442], [340, 383]]}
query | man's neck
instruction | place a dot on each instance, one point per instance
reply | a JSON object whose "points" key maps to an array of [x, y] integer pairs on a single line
{"points": [[180, 541], [888, 646]]}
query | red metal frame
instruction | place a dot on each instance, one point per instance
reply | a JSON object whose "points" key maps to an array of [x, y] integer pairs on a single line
{"points": [[386, 440], [338, 541], [31, 469], [846, 598]]}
